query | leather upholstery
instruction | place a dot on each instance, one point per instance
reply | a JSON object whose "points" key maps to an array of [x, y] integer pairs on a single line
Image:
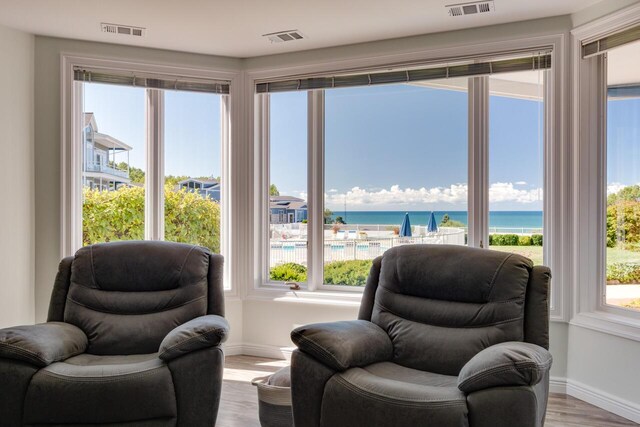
{"points": [[536, 311], [505, 364], [341, 345], [448, 303], [127, 390], [201, 332], [161, 285], [42, 344], [112, 306], [447, 311], [393, 396]]}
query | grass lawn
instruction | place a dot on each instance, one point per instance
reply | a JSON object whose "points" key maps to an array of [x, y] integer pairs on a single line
{"points": [[532, 252], [614, 255]]}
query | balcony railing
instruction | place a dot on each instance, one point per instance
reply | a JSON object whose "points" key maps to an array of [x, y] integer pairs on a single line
{"points": [[98, 167]]}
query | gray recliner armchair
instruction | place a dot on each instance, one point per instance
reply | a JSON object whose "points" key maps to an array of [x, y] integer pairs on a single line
{"points": [[446, 336], [132, 339]]}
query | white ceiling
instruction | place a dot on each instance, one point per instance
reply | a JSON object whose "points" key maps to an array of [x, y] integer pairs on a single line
{"points": [[234, 28]]}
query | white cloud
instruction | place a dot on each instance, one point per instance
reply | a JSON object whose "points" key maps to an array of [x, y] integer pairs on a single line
{"points": [[614, 187], [520, 183], [454, 194], [333, 190], [505, 192]]}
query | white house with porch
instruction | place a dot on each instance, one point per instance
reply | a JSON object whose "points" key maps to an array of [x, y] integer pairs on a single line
{"points": [[102, 154]]}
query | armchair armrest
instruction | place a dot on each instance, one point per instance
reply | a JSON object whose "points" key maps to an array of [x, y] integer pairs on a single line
{"points": [[42, 344], [196, 334], [505, 364], [346, 344]]}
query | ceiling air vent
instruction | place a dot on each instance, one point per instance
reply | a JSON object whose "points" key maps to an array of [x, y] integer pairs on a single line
{"points": [[284, 36], [470, 8], [125, 30]]}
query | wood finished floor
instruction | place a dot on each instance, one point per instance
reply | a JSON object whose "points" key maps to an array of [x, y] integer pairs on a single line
{"points": [[239, 401]]}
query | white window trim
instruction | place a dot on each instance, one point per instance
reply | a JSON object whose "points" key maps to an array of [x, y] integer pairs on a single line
{"points": [[589, 183], [556, 170], [71, 152]]}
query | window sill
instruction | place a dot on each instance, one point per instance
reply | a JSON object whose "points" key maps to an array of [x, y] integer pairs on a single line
{"points": [[321, 297], [608, 323]]}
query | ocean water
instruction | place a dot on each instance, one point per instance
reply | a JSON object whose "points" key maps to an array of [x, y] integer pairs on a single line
{"points": [[497, 219]]}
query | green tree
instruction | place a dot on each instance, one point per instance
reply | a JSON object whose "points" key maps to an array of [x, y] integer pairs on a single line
{"points": [[273, 190], [174, 180], [629, 193], [327, 216], [448, 222], [339, 220], [135, 174], [623, 224]]}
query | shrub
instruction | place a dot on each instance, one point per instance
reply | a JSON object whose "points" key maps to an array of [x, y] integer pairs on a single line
{"points": [[525, 241], [536, 239], [504, 240], [288, 272], [625, 273], [350, 273], [515, 240], [119, 215]]}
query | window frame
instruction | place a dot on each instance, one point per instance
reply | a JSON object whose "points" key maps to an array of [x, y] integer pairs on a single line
{"points": [[589, 184], [71, 151], [555, 161]]}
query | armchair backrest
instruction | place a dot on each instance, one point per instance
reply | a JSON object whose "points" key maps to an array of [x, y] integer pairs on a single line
{"points": [[442, 304], [126, 296]]}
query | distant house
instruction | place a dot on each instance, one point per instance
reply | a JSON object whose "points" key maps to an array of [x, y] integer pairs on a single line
{"points": [[207, 188], [287, 209], [102, 153]]}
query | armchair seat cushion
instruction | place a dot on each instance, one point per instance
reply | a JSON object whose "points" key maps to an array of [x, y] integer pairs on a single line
{"points": [[129, 388], [393, 395]]}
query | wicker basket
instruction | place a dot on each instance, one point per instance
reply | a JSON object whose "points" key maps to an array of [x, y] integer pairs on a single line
{"points": [[274, 399]]}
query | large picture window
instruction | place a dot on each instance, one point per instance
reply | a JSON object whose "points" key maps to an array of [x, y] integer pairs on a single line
{"points": [[385, 159], [395, 156], [516, 159], [145, 158], [622, 233]]}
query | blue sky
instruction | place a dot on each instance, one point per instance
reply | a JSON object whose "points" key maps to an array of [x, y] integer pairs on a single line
{"points": [[192, 126], [403, 147], [392, 147], [623, 143]]}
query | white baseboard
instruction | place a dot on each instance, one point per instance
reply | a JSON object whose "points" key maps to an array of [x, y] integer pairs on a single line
{"points": [[558, 385], [258, 350], [599, 398], [608, 402]]}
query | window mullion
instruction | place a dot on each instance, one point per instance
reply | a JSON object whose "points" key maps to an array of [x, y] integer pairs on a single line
{"points": [[262, 125], [315, 202], [478, 187], [154, 181]]}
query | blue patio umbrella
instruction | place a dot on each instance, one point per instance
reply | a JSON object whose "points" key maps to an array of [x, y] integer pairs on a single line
{"points": [[432, 225], [405, 228]]}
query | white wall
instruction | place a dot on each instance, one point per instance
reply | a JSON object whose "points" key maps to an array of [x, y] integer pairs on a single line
{"points": [[47, 148], [17, 178]]}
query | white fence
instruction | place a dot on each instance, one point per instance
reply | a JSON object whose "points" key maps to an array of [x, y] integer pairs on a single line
{"points": [[284, 250]]}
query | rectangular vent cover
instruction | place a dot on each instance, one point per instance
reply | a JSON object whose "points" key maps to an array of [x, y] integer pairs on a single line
{"points": [[472, 8], [124, 30], [284, 36]]}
